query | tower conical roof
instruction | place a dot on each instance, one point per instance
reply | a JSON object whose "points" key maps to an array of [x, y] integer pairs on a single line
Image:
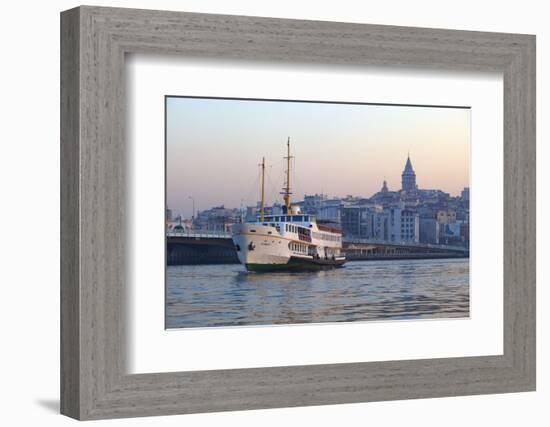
{"points": [[408, 166]]}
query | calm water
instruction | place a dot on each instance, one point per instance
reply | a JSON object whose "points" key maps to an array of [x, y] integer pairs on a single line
{"points": [[226, 295]]}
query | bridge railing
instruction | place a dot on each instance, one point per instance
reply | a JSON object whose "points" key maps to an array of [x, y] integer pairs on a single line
{"points": [[216, 234], [199, 234], [350, 240]]}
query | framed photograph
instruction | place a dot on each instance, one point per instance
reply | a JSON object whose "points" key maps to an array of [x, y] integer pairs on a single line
{"points": [[346, 212]]}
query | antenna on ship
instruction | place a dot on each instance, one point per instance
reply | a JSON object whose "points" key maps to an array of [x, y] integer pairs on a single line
{"points": [[263, 190], [286, 190]]}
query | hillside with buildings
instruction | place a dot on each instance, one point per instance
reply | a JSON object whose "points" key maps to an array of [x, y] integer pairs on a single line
{"points": [[407, 215]]}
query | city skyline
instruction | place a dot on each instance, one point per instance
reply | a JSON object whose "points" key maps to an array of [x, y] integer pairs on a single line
{"points": [[340, 149], [406, 176]]}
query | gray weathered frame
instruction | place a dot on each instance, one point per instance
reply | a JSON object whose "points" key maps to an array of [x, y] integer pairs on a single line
{"points": [[94, 41]]}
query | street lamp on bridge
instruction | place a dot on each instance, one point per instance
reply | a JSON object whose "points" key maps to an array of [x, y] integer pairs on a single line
{"points": [[193, 216]]}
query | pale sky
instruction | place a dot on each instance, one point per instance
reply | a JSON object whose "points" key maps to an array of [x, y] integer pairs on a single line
{"points": [[214, 146]]}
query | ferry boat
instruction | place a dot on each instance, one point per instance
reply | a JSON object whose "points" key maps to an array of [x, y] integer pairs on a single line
{"points": [[290, 241]]}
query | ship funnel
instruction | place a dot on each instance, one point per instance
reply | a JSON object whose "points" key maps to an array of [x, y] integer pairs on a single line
{"points": [[295, 210]]}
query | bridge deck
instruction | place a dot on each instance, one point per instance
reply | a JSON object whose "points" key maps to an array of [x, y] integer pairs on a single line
{"points": [[214, 247]]}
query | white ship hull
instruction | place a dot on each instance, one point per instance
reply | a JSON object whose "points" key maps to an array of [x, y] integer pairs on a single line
{"points": [[262, 248], [257, 244]]}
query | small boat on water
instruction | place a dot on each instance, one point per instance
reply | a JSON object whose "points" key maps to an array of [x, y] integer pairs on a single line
{"points": [[290, 241]]}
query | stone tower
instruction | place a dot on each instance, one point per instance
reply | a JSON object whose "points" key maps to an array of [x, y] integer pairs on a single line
{"points": [[408, 177]]}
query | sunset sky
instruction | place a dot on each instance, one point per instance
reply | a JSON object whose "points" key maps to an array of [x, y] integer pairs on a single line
{"points": [[214, 146]]}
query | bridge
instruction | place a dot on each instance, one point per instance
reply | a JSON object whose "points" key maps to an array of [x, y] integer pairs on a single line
{"points": [[216, 247], [370, 249], [200, 247]]}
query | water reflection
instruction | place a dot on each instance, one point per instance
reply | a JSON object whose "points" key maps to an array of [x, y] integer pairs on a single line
{"points": [[226, 295]]}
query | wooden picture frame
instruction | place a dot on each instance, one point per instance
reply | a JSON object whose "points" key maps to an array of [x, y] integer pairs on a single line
{"points": [[94, 382]]}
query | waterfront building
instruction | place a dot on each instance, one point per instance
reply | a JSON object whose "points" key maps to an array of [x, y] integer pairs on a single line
{"points": [[404, 225], [312, 203], [218, 218], [374, 222], [352, 223], [378, 220], [462, 214], [428, 230], [465, 232], [450, 234], [330, 211], [446, 217], [465, 195], [364, 221]]}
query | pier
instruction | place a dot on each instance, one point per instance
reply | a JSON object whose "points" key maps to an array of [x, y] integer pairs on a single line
{"points": [[216, 247]]}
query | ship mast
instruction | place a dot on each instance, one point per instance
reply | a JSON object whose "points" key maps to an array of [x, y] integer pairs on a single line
{"points": [[263, 190], [286, 190]]}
